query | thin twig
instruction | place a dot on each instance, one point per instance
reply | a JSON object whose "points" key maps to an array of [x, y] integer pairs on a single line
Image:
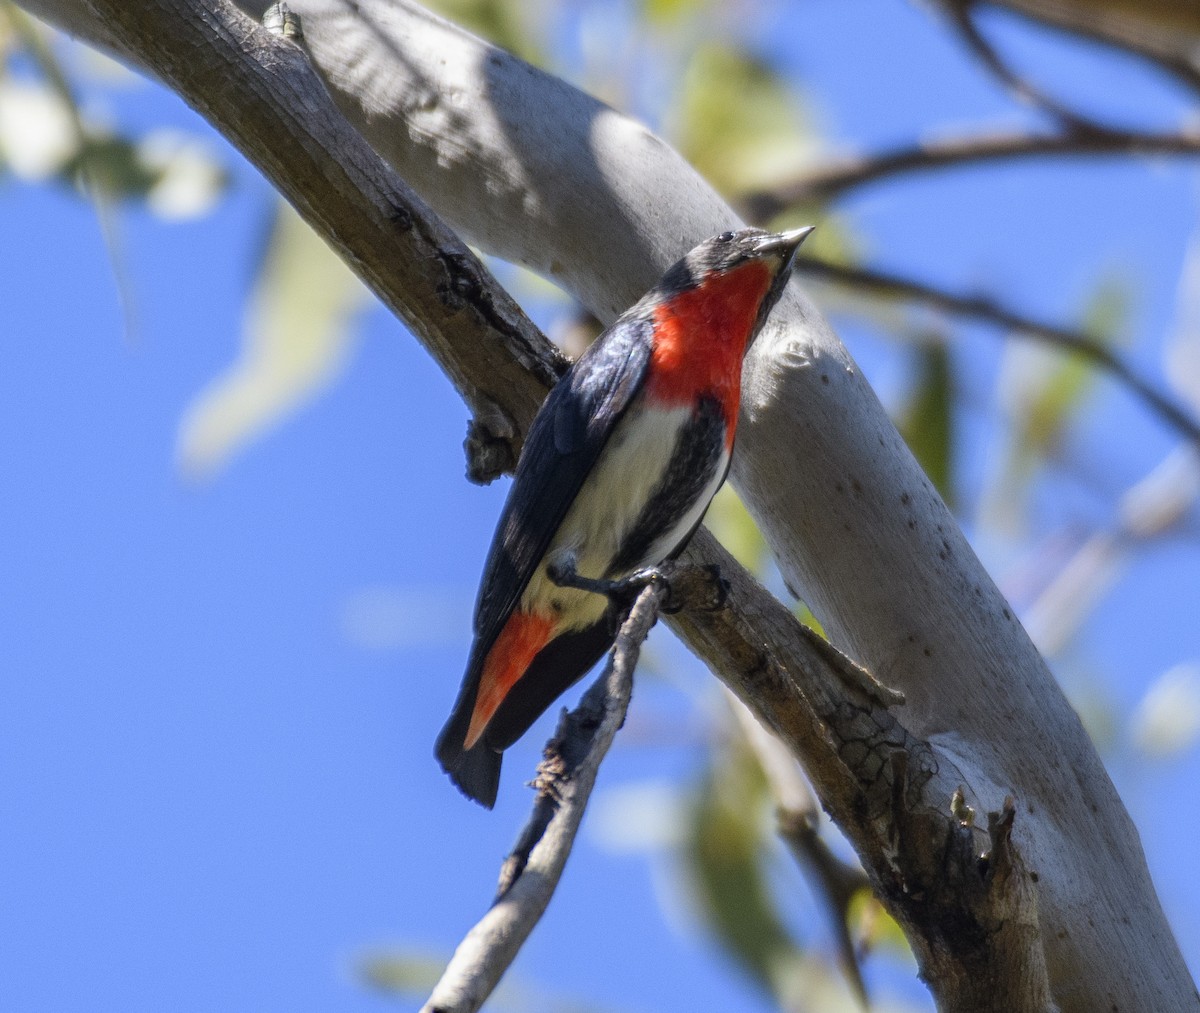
{"points": [[1183, 71], [564, 783], [837, 176], [962, 18], [987, 310]]}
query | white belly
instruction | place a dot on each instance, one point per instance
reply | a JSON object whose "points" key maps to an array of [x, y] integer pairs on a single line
{"points": [[608, 505]]}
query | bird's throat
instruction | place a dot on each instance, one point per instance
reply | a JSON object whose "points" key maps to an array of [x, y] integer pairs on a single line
{"points": [[700, 339]]}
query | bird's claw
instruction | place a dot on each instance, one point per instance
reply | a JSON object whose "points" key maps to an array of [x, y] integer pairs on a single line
{"points": [[620, 592], [688, 587]]}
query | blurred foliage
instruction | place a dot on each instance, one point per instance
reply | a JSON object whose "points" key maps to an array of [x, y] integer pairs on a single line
{"points": [[874, 927], [737, 120], [668, 13], [730, 521], [296, 339], [512, 26], [1043, 392], [725, 853], [737, 871], [927, 421], [45, 135]]}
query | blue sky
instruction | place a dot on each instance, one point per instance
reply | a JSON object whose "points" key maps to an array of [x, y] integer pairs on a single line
{"points": [[214, 795]]}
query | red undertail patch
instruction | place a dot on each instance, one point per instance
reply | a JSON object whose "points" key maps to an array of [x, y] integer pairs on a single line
{"points": [[523, 636]]}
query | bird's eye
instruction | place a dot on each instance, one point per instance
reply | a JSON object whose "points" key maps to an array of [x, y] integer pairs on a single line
{"points": [[724, 237]]}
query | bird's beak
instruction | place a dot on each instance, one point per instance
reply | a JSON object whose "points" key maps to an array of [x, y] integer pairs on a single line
{"points": [[782, 244]]}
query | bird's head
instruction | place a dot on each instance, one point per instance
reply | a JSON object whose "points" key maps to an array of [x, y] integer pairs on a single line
{"points": [[749, 261]]}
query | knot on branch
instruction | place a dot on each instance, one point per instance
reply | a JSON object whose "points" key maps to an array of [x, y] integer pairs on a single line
{"points": [[971, 901], [279, 19], [490, 447], [691, 588], [466, 286]]}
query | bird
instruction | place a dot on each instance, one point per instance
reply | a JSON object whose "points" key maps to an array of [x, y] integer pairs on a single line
{"points": [[617, 471]]}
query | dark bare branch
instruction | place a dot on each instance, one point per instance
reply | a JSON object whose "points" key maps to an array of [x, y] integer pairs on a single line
{"points": [[961, 14], [837, 176], [1163, 33], [988, 310]]}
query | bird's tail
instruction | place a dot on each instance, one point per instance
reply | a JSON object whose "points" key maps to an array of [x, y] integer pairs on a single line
{"points": [[476, 771], [498, 702]]}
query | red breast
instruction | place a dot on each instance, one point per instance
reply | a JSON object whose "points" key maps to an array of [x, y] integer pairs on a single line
{"points": [[700, 338]]}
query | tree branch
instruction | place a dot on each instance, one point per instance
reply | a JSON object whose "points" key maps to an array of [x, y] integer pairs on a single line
{"points": [[961, 14], [1165, 33], [837, 176], [890, 792], [263, 94], [564, 783], [990, 311]]}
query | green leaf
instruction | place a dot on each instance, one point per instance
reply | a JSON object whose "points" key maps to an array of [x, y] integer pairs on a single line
{"points": [[111, 168], [927, 422], [877, 930], [297, 336], [1104, 317], [666, 12]]}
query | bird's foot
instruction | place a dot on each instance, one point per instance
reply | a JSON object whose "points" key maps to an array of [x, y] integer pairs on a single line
{"points": [[701, 588], [620, 592]]}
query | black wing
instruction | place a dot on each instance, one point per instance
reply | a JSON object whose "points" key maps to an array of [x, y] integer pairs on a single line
{"points": [[564, 442]]}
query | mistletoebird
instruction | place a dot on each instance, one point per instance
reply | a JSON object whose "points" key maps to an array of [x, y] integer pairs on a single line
{"points": [[617, 471]]}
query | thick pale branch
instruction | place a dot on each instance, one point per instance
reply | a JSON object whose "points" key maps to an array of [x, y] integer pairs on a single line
{"points": [[990, 311]]}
